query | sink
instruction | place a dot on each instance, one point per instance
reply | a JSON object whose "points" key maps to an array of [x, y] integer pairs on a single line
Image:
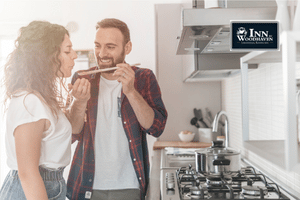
{"points": [[176, 160]]}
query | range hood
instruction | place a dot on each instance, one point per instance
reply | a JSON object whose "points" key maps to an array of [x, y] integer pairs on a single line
{"points": [[206, 34]]}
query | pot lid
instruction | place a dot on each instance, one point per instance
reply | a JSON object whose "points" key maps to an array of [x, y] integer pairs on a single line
{"points": [[218, 148]]}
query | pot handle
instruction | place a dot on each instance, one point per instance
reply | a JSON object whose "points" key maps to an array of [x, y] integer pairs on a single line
{"points": [[221, 162]]}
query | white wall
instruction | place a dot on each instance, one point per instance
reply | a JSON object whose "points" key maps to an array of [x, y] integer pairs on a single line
{"points": [[265, 114], [139, 15]]}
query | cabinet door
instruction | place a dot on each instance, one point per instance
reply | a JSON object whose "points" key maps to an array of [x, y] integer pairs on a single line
{"points": [[188, 66], [168, 31]]}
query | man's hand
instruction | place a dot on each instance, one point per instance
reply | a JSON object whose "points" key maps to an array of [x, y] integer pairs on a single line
{"points": [[141, 108], [81, 90], [126, 76]]}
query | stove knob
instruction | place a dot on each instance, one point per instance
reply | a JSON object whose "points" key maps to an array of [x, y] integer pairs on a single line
{"points": [[169, 174], [170, 192], [170, 181], [170, 185]]}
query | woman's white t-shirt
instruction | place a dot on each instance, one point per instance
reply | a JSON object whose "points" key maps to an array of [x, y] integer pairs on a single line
{"points": [[56, 141]]}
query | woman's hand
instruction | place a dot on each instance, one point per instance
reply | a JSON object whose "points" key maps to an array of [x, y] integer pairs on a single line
{"points": [[81, 90]]}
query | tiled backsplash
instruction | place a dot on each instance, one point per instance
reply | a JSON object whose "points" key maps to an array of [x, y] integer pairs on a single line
{"points": [[265, 115]]}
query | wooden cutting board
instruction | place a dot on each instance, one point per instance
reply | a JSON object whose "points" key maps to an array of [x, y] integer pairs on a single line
{"points": [[178, 144]]}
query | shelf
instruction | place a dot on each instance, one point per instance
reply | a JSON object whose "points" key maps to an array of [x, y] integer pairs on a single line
{"points": [[258, 57], [284, 153]]}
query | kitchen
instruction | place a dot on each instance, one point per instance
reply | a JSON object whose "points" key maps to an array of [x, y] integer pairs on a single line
{"points": [[180, 97], [266, 101]]}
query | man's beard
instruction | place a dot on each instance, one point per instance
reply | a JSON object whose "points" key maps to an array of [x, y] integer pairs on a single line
{"points": [[113, 63]]}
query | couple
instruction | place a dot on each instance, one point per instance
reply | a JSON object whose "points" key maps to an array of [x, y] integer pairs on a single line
{"points": [[108, 113]]}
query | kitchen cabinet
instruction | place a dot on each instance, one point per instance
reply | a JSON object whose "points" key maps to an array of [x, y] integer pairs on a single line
{"points": [[168, 35], [284, 153], [169, 29], [188, 67]]}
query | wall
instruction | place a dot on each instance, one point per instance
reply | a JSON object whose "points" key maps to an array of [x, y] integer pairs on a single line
{"points": [[138, 15], [180, 98], [265, 114]]}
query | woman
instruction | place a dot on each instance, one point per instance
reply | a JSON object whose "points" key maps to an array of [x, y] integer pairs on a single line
{"points": [[38, 135]]}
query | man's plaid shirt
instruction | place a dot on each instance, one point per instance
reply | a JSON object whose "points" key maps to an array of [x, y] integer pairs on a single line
{"points": [[81, 177]]}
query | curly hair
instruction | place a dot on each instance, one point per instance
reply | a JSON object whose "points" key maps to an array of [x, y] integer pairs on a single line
{"points": [[115, 23], [34, 65]]}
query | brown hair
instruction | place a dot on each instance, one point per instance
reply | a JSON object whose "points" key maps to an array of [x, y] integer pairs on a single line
{"points": [[34, 65], [115, 23]]}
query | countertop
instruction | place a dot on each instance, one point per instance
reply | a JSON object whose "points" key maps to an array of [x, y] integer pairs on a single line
{"points": [[162, 144]]}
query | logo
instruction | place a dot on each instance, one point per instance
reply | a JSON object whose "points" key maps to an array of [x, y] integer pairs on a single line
{"points": [[258, 35], [241, 31]]}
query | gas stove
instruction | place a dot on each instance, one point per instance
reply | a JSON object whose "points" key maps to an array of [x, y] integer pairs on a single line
{"points": [[185, 183]]}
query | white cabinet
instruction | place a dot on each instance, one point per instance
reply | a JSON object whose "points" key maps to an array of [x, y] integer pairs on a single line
{"points": [[284, 153], [169, 27], [188, 66]]}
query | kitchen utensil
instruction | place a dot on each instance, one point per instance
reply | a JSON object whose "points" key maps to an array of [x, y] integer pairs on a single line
{"points": [[200, 118], [194, 122], [207, 122], [221, 160], [209, 116], [103, 70], [196, 113]]}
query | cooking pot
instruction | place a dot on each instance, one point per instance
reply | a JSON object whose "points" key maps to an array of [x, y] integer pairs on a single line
{"points": [[218, 159]]}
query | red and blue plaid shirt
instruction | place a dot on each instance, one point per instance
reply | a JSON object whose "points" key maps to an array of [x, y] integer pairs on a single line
{"points": [[81, 177]]}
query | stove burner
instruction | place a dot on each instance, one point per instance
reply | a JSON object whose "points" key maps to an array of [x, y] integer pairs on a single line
{"points": [[195, 196], [246, 184], [254, 190], [212, 180], [195, 190], [244, 196]]}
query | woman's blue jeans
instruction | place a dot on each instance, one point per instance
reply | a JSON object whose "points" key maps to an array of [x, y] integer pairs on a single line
{"points": [[53, 180]]}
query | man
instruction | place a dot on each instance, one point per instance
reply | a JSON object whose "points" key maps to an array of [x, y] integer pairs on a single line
{"points": [[111, 159]]}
